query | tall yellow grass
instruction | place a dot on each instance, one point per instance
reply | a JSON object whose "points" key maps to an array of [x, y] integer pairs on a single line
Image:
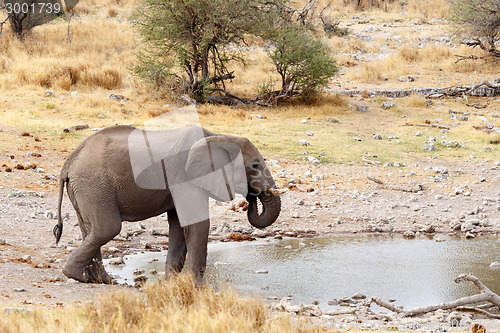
{"points": [[173, 306]]}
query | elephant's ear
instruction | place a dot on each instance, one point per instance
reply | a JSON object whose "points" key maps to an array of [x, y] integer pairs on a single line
{"points": [[216, 165]]}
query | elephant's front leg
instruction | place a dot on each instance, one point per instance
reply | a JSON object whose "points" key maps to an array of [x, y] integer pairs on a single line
{"points": [[176, 255], [196, 236]]}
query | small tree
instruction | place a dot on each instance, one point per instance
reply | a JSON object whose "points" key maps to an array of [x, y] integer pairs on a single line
{"points": [[479, 22], [303, 62]]}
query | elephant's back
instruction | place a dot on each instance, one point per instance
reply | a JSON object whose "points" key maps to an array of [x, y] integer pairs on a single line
{"points": [[103, 152]]}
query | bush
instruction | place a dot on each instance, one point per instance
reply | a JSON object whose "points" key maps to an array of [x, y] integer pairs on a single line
{"points": [[303, 61]]}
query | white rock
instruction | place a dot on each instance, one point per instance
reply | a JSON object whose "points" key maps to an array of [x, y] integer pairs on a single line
{"points": [[304, 143], [117, 261], [262, 271], [313, 159], [495, 265]]}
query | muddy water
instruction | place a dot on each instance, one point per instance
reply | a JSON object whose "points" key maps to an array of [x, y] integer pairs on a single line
{"points": [[413, 272]]}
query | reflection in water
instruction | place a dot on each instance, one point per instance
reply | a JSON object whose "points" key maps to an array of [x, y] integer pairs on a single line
{"points": [[414, 272]]}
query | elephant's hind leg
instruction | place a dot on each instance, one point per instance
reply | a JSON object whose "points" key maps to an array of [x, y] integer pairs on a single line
{"points": [[85, 262]]}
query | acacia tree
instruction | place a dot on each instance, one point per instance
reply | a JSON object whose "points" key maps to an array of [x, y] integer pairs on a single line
{"points": [[24, 15], [479, 22], [195, 40]]}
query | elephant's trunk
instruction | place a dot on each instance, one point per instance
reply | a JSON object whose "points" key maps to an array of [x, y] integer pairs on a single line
{"points": [[271, 207]]}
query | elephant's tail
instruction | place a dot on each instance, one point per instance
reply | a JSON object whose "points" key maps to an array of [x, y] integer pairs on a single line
{"points": [[59, 226]]}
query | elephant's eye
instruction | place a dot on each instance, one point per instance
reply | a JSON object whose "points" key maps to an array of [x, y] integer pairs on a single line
{"points": [[255, 165]]}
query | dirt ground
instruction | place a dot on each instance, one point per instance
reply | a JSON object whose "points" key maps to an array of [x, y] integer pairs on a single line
{"points": [[450, 197]]}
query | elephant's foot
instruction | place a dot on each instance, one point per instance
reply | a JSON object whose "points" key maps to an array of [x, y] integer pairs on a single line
{"points": [[77, 274], [93, 273], [97, 274]]}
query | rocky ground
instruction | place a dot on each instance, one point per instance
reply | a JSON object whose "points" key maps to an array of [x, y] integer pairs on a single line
{"points": [[462, 199]]}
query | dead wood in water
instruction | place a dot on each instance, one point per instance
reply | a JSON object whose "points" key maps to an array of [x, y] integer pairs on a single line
{"points": [[485, 295]]}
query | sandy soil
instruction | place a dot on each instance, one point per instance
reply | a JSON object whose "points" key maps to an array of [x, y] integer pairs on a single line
{"points": [[462, 199]]}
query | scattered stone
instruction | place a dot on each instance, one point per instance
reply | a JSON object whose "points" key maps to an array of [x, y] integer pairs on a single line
{"points": [[361, 108], [118, 98], [333, 302], [455, 226], [49, 93], [113, 249], [140, 280], [153, 272], [117, 261], [377, 137], [304, 143], [19, 290], [409, 234], [146, 245], [440, 169], [310, 133], [259, 233], [429, 147], [262, 271], [495, 265], [186, 100], [313, 159], [50, 214], [388, 105], [159, 232], [470, 235], [332, 120], [358, 296], [303, 121], [451, 144]]}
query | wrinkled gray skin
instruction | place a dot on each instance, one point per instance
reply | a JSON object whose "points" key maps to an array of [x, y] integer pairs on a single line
{"points": [[101, 187]]}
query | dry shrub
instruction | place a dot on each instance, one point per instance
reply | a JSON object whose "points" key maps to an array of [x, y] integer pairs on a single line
{"points": [[50, 73], [112, 12], [429, 8], [409, 53], [417, 101], [108, 78], [176, 305], [377, 71], [436, 52]]}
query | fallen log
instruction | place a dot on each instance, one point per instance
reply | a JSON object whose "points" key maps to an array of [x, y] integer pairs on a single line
{"points": [[415, 189], [481, 89], [427, 125], [485, 295], [75, 128], [489, 125]]}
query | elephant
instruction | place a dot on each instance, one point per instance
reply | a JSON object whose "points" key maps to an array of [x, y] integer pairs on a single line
{"points": [[122, 173]]}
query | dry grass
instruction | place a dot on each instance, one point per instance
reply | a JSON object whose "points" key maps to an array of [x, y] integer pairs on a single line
{"points": [[176, 306], [416, 101]]}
